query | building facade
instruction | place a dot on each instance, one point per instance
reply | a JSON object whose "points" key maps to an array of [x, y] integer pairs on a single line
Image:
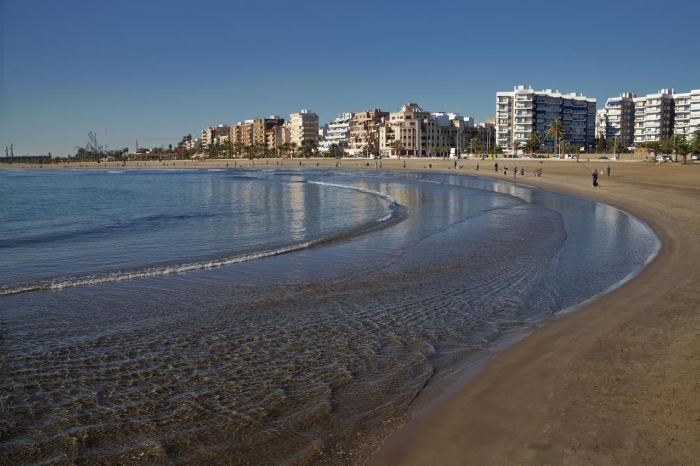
{"points": [[410, 125], [426, 134], [619, 124], [694, 111], [522, 111], [214, 135], [303, 126], [338, 131], [364, 132]]}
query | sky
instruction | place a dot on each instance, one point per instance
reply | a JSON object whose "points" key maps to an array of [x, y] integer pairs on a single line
{"points": [[154, 71]]}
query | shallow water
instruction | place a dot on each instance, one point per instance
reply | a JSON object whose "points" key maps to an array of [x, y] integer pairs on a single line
{"points": [[283, 317]]}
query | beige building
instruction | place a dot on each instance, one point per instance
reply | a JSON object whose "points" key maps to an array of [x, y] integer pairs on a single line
{"points": [[242, 133], [277, 136], [424, 134], [214, 135], [262, 125], [364, 132], [411, 126], [303, 126]]}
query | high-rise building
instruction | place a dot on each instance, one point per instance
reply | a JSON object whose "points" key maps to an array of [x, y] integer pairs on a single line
{"points": [[694, 111], [522, 111], [653, 117], [682, 114], [619, 113], [303, 126]]}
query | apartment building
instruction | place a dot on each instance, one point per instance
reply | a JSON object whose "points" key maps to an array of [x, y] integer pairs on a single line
{"points": [[522, 111], [653, 116], [364, 132], [261, 126], [303, 126], [410, 125], [620, 117], [214, 135], [694, 110], [422, 133], [686, 113], [681, 114], [338, 131], [276, 136], [601, 123], [242, 133]]}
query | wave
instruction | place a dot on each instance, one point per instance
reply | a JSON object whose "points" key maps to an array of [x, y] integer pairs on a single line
{"points": [[397, 213], [355, 188], [148, 272]]}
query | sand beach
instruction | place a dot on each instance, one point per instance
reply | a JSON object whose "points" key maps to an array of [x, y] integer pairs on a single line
{"points": [[613, 383]]}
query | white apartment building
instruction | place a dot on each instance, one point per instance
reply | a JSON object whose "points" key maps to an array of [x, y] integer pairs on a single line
{"points": [[658, 115], [522, 111], [620, 116], [338, 131], [694, 110], [653, 116], [686, 113], [601, 123], [303, 126]]}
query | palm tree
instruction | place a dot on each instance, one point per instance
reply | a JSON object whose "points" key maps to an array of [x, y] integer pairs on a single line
{"points": [[555, 131], [475, 145], [308, 147], [516, 147], [292, 148], [533, 143], [397, 145], [238, 147]]}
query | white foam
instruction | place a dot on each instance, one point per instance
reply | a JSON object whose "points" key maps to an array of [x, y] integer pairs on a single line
{"points": [[355, 188]]}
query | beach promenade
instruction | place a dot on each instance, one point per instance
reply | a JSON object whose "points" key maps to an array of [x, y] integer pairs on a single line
{"points": [[613, 383]]}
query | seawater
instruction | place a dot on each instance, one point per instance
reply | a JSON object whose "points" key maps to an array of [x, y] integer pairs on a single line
{"points": [[269, 316]]}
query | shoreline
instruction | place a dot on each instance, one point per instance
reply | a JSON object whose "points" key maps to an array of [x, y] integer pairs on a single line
{"points": [[613, 382]]}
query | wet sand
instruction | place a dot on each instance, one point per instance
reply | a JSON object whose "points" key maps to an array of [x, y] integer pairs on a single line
{"points": [[614, 383]]}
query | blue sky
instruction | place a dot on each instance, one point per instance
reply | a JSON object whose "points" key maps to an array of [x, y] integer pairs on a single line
{"points": [[156, 70]]}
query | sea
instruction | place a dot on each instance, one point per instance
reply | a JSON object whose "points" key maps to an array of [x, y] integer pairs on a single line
{"points": [[271, 316]]}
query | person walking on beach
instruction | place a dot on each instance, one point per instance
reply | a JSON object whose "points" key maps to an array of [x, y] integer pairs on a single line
{"points": [[608, 170], [515, 172], [595, 177], [496, 167]]}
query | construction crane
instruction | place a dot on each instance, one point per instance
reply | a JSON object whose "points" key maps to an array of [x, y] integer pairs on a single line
{"points": [[93, 147]]}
